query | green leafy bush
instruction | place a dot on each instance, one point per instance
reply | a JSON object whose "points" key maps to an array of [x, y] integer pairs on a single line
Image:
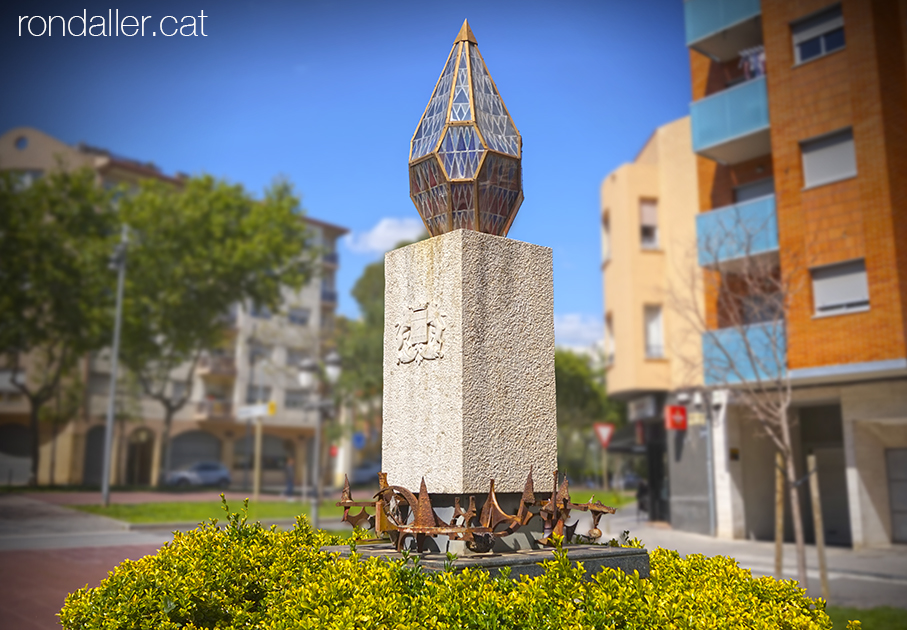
{"points": [[247, 576]]}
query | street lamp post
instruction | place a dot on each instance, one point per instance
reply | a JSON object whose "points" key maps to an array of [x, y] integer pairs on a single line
{"points": [[118, 262], [309, 375]]}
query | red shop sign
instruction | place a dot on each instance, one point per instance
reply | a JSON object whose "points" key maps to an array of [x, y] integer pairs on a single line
{"points": [[676, 417]]}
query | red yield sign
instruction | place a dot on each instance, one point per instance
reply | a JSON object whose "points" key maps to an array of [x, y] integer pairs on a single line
{"points": [[604, 431]]}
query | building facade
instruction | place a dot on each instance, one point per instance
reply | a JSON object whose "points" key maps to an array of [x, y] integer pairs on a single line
{"points": [[799, 123], [648, 210], [258, 362]]}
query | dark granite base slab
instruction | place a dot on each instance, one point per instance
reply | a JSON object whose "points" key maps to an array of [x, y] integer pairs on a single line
{"points": [[522, 562]]}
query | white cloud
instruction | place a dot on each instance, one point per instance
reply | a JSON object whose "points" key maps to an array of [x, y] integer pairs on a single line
{"points": [[385, 235], [578, 330]]}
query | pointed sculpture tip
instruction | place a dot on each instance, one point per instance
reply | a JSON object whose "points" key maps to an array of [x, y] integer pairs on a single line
{"points": [[465, 34]]}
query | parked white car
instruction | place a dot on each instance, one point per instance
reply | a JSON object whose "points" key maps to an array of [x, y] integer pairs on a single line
{"points": [[200, 474]]}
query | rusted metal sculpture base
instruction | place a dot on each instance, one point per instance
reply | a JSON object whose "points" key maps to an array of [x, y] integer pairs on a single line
{"points": [[406, 518], [522, 562]]}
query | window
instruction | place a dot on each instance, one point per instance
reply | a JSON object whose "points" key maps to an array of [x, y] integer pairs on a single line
{"points": [[762, 307], [295, 399], [261, 312], [260, 352], [606, 237], [256, 394], [648, 222], [609, 339], [828, 159], [8, 391], [654, 335], [299, 316], [177, 390], [818, 35], [296, 356], [840, 288], [754, 190]]}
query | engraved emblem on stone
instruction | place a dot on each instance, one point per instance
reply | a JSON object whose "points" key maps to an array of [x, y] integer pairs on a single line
{"points": [[421, 336]]}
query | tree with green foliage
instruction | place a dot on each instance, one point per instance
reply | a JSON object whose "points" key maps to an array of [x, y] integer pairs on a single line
{"points": [[196, 251], [581, 401], [55, 287]]}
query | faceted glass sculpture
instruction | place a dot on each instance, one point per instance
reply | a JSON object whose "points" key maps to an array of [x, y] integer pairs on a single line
{"points": [[464, 161]]}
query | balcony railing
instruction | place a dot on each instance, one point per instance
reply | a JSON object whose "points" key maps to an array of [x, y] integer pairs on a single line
{"points": [[754, 353], [721, 28], [213, 410], [331, 258], [735, 232], [732, 126], [217, 366], [328, 296]]}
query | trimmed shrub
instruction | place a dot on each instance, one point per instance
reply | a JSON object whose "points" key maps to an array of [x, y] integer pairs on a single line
{"points": [[246, 576]]}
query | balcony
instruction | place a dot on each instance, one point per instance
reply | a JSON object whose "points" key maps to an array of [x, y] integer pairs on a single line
{"points": [[732, 126], [330, 258], [217, 366], [213, 410], [745, 354], [328, 297], [720, 29], [736, 232]]}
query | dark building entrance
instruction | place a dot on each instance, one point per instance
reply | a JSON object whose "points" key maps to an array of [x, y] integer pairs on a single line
{"points": [[138, 457]]}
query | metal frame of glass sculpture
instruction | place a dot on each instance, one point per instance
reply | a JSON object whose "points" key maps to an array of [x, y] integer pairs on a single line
{"points": [[465, 156]]}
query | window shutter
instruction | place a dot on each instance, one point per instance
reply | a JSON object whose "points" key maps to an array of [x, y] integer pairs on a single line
{"points": [[840, 286], [829, 159], [648, 213], [818, 25]]}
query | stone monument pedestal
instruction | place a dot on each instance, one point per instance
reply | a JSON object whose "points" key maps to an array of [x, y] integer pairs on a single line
{"points": [[469, 392]]}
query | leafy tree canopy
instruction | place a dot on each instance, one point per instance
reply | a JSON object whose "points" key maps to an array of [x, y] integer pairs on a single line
{"points": [[55, 288], [195, 252]]}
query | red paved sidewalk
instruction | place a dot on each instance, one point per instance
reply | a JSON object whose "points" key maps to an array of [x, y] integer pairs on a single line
{"points": [[34, 584]]}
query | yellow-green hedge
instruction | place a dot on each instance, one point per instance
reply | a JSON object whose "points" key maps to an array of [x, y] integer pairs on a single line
{"points": [[246, 576]]}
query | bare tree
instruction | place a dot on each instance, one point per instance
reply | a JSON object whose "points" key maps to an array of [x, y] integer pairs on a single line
{"points": [[743, 337]]}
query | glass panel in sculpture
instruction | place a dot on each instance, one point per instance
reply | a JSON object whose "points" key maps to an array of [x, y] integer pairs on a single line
{"points": [[499, 188], [461, 151], [459, 110], [435, 116], [428, 189], [463, 205], [494, 123]]}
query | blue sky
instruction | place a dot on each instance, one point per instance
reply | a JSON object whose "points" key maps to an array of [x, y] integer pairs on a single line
{"points": [[329, 94]]}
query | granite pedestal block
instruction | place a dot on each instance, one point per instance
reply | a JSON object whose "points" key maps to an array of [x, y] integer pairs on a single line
{"points": [[469, 391]]}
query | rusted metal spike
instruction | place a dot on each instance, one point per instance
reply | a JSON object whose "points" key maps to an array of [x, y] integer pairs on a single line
{"points": [[493, 515], [569, 531], [346, 494], [382, 480], [528, 490], [485, 516], [425, 515], [523, 515], [563, 494]]}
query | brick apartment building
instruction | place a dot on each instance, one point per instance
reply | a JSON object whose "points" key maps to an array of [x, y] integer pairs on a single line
{"points": [[258, 362], [798, 149], [799, 123]]}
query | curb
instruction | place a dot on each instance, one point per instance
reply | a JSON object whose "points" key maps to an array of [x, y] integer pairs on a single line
{"points": [[331, 524]]}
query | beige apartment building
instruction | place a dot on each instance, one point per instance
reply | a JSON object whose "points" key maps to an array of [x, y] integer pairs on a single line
{"points": [[651, 287], [259, 362]]}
